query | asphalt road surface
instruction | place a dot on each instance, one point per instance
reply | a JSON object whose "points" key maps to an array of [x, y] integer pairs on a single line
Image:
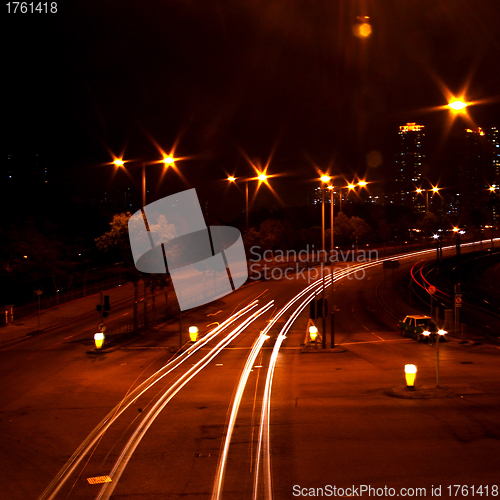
{"points": [[248, 411]]}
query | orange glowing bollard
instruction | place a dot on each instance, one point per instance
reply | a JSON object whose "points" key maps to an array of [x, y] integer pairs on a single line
{"points": [[410, 374], [99, 340]]}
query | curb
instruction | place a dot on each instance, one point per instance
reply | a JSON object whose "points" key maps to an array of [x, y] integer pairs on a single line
{"points": [[424, 392]]}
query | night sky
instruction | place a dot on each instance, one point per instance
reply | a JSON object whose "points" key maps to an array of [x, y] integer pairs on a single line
{"points": [[220, 78]]}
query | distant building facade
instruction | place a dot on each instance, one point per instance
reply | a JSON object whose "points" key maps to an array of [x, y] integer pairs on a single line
{"points": [[479, 171], [410, 156]]}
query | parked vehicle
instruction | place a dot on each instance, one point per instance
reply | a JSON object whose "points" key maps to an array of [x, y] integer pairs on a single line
{"points": [[420, 327]]}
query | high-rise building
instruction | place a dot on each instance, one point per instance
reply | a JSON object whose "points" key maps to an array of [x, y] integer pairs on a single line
{"points": [[493, 135], [480, 169], [409, 159]]}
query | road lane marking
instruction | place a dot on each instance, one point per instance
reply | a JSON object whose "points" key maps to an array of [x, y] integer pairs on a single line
{"points": [[375, 341], [377, 336]]}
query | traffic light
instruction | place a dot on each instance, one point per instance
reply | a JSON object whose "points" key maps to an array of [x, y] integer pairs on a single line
{"points": [[312, 309], [318, 309], [104, 306]]}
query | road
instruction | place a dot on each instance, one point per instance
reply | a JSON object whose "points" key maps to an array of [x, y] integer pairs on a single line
{"points": [[250, 423]]}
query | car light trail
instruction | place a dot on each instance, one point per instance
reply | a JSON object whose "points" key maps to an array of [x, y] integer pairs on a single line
{"points": [[264, 434], [64, 474], [153, 413], [221, 466]]}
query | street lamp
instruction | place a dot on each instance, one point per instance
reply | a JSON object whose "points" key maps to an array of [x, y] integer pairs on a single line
{"points": [[492, 189], [167, 160], [261, 177], [434, 191], [440, 333], [457, 232], [349, 187], [457, 105], [331, 189], [324, 179]]}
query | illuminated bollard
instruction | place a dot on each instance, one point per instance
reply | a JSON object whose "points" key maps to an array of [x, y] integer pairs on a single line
{"points": [[193, 333], [410, 374], [313, 333], [99, 340]]}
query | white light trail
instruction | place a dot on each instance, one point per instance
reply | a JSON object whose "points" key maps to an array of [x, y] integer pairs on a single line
{"points": [[152, 414], [57, 483]]}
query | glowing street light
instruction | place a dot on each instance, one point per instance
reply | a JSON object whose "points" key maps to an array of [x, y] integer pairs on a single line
{"points": [[434, 190], [457, 105], [363, 28], [261, 177], [324, 179]]}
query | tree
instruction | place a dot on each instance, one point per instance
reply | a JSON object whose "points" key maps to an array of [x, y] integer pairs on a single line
{"points": [[117, 240], [272, 234], [342, 227], [33, 251], [384, 231], [360, 229]]}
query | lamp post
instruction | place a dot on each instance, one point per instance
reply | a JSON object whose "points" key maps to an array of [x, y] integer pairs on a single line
{"points": [[434, 190], [349, 187], [440, 333], [457, 232], [438, 248], [167, 160], [331, 188], [492, 190], [324, 180], [261, 177]]}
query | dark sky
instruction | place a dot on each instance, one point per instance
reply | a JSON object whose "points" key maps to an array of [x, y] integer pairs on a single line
{"points": [[251, 75]]}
